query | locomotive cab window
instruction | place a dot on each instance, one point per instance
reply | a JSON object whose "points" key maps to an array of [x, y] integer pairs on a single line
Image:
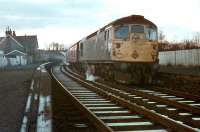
{"points": [[151, 34], [122, 32], [137, 29]]}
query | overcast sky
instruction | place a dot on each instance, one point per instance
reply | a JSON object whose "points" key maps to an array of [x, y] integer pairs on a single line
{"points": [[67, 21]]}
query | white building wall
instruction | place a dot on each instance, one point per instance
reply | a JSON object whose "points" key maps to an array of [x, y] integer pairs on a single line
{"points": [[23, 60], [19, 60], [189, 57], [3, 61]]}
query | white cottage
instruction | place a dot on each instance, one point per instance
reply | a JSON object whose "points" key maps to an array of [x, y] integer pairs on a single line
{"points": [[17, 50]]}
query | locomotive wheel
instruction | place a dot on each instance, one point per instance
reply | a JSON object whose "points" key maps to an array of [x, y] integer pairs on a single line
{"points": [[147, 79], [135, 72], [147, 75]]}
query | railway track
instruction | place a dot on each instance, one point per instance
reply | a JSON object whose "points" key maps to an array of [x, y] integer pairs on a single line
{"points": [[66, 117], [176, 105], [180, 81], [111, 109]]}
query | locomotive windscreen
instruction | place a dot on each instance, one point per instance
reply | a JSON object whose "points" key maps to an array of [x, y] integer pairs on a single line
{"points": [[151, 34], [137, 29], [122, 32]]}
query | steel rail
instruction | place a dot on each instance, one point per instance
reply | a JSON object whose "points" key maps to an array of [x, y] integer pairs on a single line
{"points": [[91, 116], [178, 93], [158, 99], [165, 121], [192, 109]]}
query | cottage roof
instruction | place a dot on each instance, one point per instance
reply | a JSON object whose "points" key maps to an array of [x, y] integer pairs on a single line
{"points": [[9, 44], [16, 52], [20, 43], [28, 41]]}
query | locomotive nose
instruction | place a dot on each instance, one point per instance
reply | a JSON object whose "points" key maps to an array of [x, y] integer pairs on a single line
{"points": [[154, 55], [135, 54]]}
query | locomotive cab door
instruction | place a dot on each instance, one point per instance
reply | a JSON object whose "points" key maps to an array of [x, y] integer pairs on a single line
{"points": [[108, 41], [79, 51]]}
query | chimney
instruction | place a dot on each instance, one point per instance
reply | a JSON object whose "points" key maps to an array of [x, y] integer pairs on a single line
{"points": [[8, 31], [14, 34]]}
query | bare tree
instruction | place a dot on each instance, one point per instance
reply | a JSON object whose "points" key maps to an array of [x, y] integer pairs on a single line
{"points": [[55, 46], [196, 38], [161, 36]]}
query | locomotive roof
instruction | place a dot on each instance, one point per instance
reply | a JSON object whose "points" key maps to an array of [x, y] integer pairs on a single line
{"points": [[137, 19], [133, 19]]}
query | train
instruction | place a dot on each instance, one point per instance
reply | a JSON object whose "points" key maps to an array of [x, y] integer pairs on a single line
{"points": [[125, 51]]}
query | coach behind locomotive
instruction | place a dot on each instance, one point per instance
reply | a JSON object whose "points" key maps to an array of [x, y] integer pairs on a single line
{"points": [[125, 50]]}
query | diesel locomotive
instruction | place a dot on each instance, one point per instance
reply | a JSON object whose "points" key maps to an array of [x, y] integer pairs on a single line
{"points": [[125, 50]]}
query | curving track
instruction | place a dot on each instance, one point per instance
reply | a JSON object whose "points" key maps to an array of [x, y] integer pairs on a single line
{"points": [[181, 107], [111, 109]]}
